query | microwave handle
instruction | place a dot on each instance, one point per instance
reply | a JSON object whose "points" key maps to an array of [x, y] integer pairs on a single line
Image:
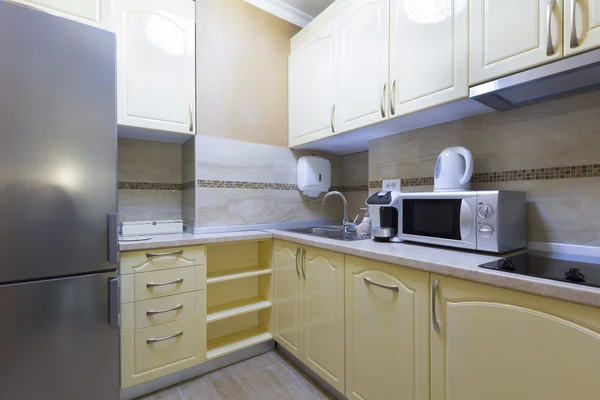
{"points": [[466, 219]]}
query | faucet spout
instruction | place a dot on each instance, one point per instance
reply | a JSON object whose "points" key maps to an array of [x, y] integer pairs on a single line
{"points": [[345, 222]]}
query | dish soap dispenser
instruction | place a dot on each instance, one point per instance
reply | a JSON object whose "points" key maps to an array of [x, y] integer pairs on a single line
{"points": [[364, 228]]}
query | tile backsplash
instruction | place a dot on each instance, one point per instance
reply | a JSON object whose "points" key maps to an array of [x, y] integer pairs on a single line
{"points": [[550, 150]]}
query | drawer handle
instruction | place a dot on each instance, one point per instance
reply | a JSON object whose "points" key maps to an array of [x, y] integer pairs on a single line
{"points": [[388, 287], [173, 336], [169, 253], [153, 284], [153, 312]]}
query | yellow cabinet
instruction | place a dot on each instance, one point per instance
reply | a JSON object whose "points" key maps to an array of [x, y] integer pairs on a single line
{"points": [[311, 284], [156, 64], [429, 54], [387, 346], [363, 63], [497, 344], [582, 26], [92, 12], [312, 86], [508, 36]]}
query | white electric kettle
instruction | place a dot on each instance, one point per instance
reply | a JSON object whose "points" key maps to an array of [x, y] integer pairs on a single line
{"points": [[453, 170]]}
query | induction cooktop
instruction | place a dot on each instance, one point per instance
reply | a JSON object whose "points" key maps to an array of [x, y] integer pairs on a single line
{"points": [[585, 273]]}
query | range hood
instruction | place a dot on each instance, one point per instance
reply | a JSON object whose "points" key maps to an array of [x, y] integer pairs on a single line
{"points": [[566, 77]]}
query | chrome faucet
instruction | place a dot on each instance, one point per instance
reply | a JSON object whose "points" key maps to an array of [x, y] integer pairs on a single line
{"points": [[347, 225]]}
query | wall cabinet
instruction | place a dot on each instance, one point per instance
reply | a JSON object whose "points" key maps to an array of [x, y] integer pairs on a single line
{"points": [[312, 87], [508, 36], [309, 308], [92, 12], [582, 26], [387, 346], [497, 344], [156, 64]]}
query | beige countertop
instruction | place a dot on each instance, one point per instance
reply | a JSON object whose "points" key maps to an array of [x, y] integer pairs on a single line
{"points": [[456, 263]]}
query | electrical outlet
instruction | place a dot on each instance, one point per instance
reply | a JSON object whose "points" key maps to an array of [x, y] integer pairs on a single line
{"points": [[391, 185]]}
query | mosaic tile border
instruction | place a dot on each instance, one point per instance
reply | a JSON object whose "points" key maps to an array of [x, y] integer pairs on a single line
{"points": [[532, 174], [356, 188], [150, 186], [245, 185]]}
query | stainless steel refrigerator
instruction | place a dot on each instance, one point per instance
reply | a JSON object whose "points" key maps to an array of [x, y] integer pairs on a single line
{"points": [[59, 306]]}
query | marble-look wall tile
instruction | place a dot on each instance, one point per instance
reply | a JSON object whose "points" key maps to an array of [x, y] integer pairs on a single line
{"points": [[141, 161], [355, 172], [188, 174], [144, 205]]}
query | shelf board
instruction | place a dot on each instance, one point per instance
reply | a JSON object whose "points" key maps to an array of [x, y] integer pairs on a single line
{"points": [[237, 273], [228, 344], [223, 311]]}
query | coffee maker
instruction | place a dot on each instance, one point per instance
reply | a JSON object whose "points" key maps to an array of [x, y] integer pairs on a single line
{"points": [[384, 205]]}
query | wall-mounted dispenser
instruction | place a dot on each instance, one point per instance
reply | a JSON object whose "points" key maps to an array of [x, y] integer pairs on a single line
{"points": [[314, 175]]}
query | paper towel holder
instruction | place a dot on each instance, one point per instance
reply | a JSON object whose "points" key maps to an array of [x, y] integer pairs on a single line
{"points": [[314, 175]]}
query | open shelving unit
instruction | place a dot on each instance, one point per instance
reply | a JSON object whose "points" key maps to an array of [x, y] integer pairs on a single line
{"points": [[238, 296]]}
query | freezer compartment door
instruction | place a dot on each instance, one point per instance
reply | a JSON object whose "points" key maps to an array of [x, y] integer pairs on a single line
{"points": [[58, 151], [56, 341]]}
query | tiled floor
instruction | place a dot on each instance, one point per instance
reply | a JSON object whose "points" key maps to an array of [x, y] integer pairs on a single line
{"points": [[269, 376]]}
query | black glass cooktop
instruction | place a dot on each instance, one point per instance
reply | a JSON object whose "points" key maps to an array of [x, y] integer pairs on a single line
{"points": [[529, 263]]}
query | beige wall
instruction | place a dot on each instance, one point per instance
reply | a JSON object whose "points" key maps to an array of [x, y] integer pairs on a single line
{"points": [[560, 133], [242, 70]]}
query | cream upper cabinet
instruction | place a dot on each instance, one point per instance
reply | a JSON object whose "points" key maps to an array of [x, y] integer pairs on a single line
{"points": [[363, 63], [287, 319], [312, 86], [323, 315], [429, 54], [582, 26], [508, 36], [156, 64], [387, 338], [93, 12], [497, 344]]}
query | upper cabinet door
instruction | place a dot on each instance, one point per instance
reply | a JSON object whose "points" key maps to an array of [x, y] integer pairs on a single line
{"points": [[498, 344], [582, 25], [156, 64], [312, 87], [363, 63], [508, 36], [93, 12], [429, 54], [323, 315]]}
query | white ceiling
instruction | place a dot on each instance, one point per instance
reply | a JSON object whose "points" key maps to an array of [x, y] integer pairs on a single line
{"points": [[310, 7]]}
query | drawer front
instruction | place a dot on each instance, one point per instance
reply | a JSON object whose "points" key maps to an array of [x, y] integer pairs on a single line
{"points": [[163, 283], [159, 259], [164, 309], [169, 343], [126, 288]]}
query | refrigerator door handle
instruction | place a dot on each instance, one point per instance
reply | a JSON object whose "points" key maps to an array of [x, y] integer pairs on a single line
{"points": [[114, 318], [113, 238]]}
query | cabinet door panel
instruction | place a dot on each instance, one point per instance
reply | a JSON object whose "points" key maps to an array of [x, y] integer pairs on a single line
{"points": [[155, 53], [363, 62], [586, 23], [323, 316], [508, 36], [429, 62], [387, 351], [93, 12], [496, 344], [312, 87], [288, 298]]}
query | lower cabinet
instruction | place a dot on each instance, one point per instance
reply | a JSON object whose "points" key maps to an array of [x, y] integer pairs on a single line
{"points": [[387, 337], [498, 344], [309, 308]]}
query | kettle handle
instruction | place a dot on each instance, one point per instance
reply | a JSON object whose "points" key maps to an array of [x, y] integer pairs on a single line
{"points": [[469, 165]]}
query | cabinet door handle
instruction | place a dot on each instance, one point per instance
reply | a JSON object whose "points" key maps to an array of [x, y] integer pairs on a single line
{"points": [[549, 42], [434, 320], [304, 263], [393, 97], [154, 312], [191, 117], [297, 260], [168, 253], [382, 104], [332, 118], [574, 40], [393, 288], [152, 284], [173, 336]]}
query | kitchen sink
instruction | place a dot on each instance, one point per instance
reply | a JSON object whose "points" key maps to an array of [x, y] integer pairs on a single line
{"points": [[329, 233]]}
